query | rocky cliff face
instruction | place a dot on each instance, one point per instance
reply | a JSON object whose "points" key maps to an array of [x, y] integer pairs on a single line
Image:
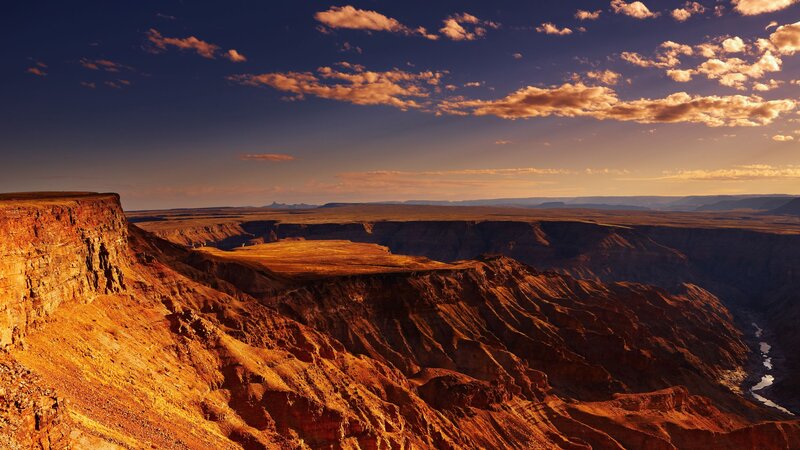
{"points": [[61, 250]]}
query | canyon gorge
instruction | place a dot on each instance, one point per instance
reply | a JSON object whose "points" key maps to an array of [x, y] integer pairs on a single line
{"points": [[393, 328]]}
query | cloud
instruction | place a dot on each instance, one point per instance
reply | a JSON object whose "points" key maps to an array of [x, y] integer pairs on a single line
{"points": [[735, 72], [754, 7], [453, 184], [736, 173], [266, 157], [503, 142], [354, 84], [587, 15], [550, 28], [782, 138], [667, 56], [350, 18], [734, 45], [159, 43], [38, 71], [88, 85], [688, 10], [637, 10], [579, 100], [680, 75], [517, 55], [102, 64], [117, 84], [768, 86], [731, 72], [786, 39], [347, 47], [202, 48], [465, 27], [234, 56], [604, 76]]}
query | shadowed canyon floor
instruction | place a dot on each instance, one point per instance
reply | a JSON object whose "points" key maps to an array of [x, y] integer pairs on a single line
{"points": [[377, 334]]}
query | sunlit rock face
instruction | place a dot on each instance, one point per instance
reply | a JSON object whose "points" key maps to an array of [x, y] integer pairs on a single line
{"points": [[68, 249]]}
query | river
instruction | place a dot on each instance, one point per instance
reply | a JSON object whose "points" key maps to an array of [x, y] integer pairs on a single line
{"points": [[767, 378]]}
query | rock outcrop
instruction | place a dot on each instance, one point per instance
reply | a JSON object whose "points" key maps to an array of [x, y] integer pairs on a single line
{"points": [[56, 250]]}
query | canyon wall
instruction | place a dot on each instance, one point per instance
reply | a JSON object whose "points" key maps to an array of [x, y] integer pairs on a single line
{"points": [[61, 250], [751, 271]]}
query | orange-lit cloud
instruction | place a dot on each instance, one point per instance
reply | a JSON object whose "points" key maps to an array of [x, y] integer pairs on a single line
{"points": [[550, 28], [637, 10], [579, 100], [102, 64], [734, 45], [782, 138], [465, 27], [786, 39], [733, 72], [354, 84], [458, 182], [688, 10], [205, 49], [39, 72], [767, 86], [737, 173], [752, 62], [604, 76], [667, 55], [266, 157], [753, 7], [351, 18], [588, 15], [234, 56], [202, 48]]}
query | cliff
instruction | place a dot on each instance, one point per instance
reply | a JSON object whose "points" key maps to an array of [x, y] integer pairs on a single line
{"points": [[54, 250]]}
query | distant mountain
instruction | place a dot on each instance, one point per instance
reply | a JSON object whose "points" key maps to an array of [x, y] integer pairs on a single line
{"points": [[755, 203], [791, 209]]}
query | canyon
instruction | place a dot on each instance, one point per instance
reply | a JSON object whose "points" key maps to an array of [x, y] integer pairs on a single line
{"points": [[392, 328]]}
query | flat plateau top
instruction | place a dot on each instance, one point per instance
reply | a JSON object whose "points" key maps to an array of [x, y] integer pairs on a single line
{"points": [[34, 197], [329, 258]]}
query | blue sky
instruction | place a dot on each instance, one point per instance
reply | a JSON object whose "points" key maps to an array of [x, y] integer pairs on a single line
{"points": [[242, 103]]}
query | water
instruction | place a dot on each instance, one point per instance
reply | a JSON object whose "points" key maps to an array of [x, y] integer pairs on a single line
{"points": [[767, 379]]}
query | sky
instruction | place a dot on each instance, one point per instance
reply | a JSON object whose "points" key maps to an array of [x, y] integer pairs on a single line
{"points": [[191, 104]]}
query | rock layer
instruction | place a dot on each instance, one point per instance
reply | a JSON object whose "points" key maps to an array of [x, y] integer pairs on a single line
{"points": [[55, 251]]}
